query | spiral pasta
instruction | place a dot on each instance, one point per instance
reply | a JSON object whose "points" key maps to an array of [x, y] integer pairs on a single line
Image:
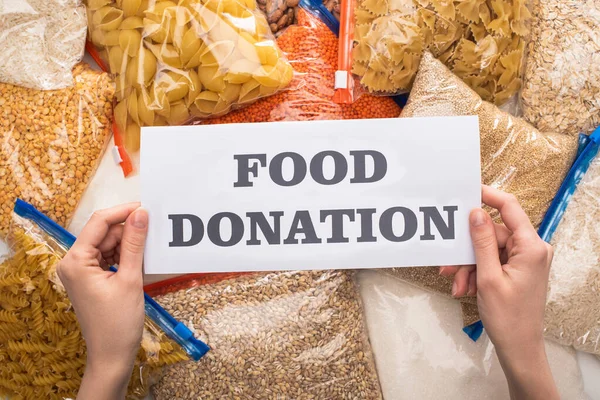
{"points": [[42, 351]]}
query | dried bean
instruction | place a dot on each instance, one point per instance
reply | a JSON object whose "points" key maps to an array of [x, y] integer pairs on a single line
{"points": [[52, 143]]}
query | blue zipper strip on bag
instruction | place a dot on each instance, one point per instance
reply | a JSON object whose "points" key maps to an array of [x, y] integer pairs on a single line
{"points": [[565, 192], [316, 8], [173, 328]]}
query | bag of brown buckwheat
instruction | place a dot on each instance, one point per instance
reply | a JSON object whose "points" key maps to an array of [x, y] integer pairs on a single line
{"points": [[291, 335]]}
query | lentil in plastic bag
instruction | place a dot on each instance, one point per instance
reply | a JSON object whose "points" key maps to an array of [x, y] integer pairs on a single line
{"points": [[561, 91], [52, 143], [42, 351], [175, 62], [482, 42], [421, 353], [40, 42], [311, 47], [285, 335]]}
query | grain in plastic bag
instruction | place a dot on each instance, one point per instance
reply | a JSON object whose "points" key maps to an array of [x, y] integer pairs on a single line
{"points": [[311, 47], [284, 335], [421, 353], [52, 143], [515, 157], [40, 42], [481, 42], [573, 301], [42, 351], [561, 91], [175, 62]]}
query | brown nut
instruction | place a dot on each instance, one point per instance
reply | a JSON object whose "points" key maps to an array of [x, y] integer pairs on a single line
{"points": [[292, 3], [275, 16]]}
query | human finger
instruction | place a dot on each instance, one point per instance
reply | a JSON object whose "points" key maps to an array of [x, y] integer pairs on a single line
{"points": [[502, 235], [449, 270], [461, 281], [485, 244], [97, 227], [133, 244], [472, 291], [112, 240], [512, 213]]}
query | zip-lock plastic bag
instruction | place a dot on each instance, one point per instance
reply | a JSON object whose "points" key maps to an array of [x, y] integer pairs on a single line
{"points": [[40, 42], [176, 62], [42, 351], [481, 42], [311, 47], [515, 157], [279, 335], [52, 143], [421, 353], [586, 153], [571, 226], [561, 86]]}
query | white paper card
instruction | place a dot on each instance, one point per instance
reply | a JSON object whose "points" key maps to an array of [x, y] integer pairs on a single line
{"points": [[310, 195]]}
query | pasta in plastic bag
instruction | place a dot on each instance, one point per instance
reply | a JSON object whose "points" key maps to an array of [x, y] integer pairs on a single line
{"points": [[40, 42], [52, 143], [179, 61], [42, 351], [481, 42], [293, 335], [311, 47], [421, 353], [561, 90]]}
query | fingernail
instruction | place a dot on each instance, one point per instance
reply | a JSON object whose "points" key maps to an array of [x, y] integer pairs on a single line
{"points": [[140, 219], [442, 270], [454, 289], [478, 217]]}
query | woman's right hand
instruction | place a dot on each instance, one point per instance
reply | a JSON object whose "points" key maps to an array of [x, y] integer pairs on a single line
{"points": [[511, 277]]}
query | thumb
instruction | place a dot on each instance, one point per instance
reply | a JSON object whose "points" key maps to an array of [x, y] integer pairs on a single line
{"points": [[133, 243], [485, 244]]}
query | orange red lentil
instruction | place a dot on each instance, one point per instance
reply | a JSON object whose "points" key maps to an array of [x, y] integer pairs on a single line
{"points": [[312, 49]]}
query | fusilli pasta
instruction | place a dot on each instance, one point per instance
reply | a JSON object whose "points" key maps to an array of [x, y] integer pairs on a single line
{"points": [[42, 351]]}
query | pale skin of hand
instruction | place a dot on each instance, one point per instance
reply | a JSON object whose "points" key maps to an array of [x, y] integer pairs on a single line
{"points": [[109, 305], [510, 281]]}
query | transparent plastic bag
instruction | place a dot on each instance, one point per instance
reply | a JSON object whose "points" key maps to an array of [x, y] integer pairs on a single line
{"points": [[52, 143], [421, 353], [311, 47], [571, 226], [561, 88], [515, 157], [175, 62], [288, 335], [483, 43], [42, 351], [40, 42], [280, 13]]}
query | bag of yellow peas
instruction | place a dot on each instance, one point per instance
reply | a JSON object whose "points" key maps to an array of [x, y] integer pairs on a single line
{"points": [[42, 351], [176, 61]]}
